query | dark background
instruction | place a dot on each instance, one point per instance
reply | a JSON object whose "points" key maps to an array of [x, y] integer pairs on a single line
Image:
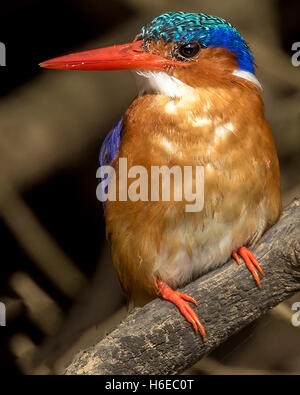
{"points": [[56, 278]]}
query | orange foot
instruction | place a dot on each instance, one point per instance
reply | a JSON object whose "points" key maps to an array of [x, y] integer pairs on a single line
{"points": [[250, 261], [180, 300]]}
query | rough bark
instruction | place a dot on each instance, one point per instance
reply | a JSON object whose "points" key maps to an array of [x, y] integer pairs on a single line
{"points": [[156, 339]]}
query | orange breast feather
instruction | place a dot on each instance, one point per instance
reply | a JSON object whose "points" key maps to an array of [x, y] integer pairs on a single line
{"points": [[241, 185]]}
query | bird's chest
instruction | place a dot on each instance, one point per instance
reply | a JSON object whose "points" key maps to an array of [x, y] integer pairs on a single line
{"points": [[161, 237]]}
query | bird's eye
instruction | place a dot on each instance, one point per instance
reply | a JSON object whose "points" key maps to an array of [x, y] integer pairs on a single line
{"points": [[190, 50]]}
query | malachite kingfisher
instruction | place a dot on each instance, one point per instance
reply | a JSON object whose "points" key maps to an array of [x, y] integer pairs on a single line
{"points": [[201, 105]]}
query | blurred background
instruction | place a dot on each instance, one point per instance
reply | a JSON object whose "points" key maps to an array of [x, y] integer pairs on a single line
{"points": [[56, 278]]}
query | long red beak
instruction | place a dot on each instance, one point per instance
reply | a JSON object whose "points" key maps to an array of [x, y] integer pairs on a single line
{"points": [[118, 57]]}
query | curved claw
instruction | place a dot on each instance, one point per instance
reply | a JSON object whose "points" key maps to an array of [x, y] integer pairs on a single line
{"points": [[181, 301], [250, 261], [187, 297]]}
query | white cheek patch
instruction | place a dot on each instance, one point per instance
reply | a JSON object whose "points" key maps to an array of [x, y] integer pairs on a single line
{"points": [[246, 75], [166, 84]]}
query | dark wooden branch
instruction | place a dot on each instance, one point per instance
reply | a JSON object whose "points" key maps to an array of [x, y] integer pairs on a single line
{"points": [[156, 339]]}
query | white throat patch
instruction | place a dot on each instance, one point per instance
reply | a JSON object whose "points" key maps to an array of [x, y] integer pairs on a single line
{"points": [[165, 84], [246, 75]]}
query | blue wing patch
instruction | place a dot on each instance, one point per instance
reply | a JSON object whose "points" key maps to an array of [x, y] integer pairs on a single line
{"points": [[111, 144], [111, 147]]}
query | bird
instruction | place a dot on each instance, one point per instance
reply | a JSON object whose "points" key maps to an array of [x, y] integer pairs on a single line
{"points": [[200, 105]]}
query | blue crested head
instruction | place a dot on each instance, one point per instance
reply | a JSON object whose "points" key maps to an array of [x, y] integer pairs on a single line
{"points": [[209, 31]]}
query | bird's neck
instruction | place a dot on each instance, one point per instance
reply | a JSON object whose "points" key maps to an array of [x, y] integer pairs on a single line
{"points": [[173, 101]]}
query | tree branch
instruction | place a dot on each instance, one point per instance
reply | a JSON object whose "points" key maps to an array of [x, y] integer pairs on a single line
{"points": [[156, 339]]}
